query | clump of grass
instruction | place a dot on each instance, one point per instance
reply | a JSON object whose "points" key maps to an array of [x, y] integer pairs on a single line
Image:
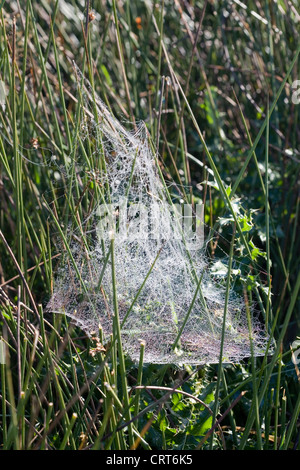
{"points": [[61, 389]]}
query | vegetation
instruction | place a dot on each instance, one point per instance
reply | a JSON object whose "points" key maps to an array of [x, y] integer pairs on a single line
{"points": [[214, 83]]}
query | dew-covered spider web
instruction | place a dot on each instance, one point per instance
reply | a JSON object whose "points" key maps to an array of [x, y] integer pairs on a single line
{"points": [[166, 295]]}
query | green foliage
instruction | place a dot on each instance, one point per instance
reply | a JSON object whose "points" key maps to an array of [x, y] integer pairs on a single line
{"points": [[62, 390]]}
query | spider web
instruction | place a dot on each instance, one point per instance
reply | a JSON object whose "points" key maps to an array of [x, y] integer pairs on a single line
{"points": [[167, 296]]}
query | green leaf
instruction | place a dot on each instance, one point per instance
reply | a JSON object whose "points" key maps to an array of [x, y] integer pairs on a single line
{"points": [[256, 252], [245, 223], [106, 74]]}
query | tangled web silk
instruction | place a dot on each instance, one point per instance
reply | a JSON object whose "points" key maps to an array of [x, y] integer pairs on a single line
{"points": [[167, 297]]}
